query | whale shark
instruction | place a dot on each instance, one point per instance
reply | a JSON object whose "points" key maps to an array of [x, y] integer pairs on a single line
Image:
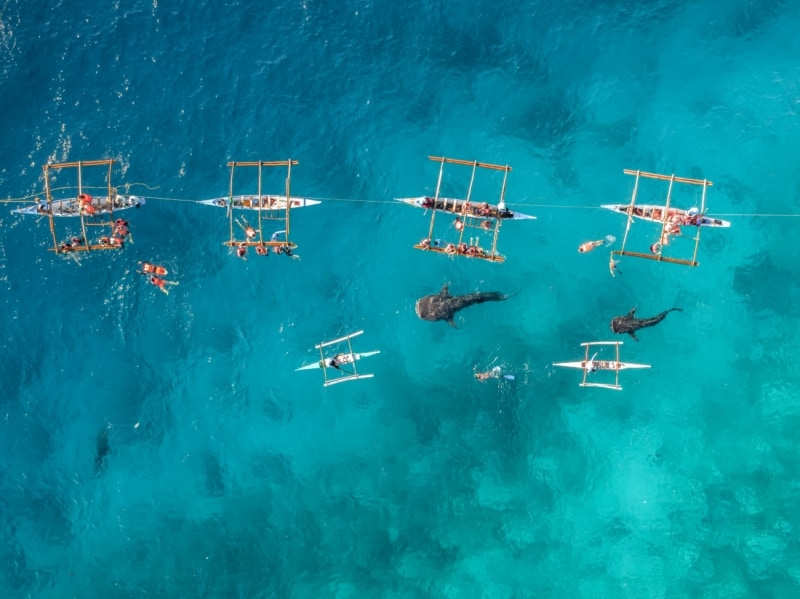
{"points": [[442, 305], [630, 324]]}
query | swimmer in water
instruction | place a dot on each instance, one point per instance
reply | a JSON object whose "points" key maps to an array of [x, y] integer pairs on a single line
{"points": [[588, 246], [494, 373]]}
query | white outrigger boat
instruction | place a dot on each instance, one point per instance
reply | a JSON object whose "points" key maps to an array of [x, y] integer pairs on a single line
{"points": [[256, 202], [676, 216], [590, 365], [93, 206], [480, 210], [335, 362]]}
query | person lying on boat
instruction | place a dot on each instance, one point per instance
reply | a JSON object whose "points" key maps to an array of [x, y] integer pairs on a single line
{"points": [[249, 231], [337, 360], [494, 373], [591, 365], [162, 283]]}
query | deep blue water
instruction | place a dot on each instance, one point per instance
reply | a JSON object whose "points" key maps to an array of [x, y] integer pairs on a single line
{"points": [[160, 446]]}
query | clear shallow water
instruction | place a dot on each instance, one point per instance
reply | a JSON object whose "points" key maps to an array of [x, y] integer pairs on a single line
{"points": [[244, 478]]}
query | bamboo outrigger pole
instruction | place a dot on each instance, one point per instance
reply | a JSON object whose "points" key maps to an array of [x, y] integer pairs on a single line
{"points": [[436, 197]]}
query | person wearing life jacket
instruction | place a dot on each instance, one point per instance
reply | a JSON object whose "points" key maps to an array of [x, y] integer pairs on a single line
{"points": [[150, 268], [121, 228], [241, 251], [262, 250], [162, 283], [85, 204]]}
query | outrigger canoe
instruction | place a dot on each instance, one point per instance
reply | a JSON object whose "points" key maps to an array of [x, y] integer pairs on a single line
{"points": [[251, 202], [341, 359], [72, 207], [601, 365], [674, 215], [474, 209]]}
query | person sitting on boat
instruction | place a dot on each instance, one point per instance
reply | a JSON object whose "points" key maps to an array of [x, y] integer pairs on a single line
{"points": [[85, 204], [65, 247], [692, 216], [466, 207], [425, 243], [241, 251], [485, 210], [41, 207], [427, 202], [77, 241], [262, 250], [450, 248], [462, 248]]}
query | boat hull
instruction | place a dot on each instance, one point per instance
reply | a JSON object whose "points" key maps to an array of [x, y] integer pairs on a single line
{"points": [[352, 357], [601, 365], [251, 202], [656, 214], [71, 208], [455, 206]]}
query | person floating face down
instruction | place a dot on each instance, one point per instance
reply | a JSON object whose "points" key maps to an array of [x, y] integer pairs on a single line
{"points": [[161, 283], [494, 373]]}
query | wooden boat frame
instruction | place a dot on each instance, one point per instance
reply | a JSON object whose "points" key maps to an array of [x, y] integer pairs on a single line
{"points": [[659, 257], [616, 386], [468, 220], [343, 377], [86, 220], [283, 217]]}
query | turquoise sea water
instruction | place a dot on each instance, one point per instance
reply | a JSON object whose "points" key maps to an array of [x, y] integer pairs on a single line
{"points": [[160, 446]]}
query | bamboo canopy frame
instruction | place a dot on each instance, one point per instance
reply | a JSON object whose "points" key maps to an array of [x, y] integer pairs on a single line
{"points": [[265, 212], [86, 221], [665, 224], [467, 219]]}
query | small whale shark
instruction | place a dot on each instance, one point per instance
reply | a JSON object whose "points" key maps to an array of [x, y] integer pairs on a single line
{"points": [[442, 305], [103, 448], [630, 324]]}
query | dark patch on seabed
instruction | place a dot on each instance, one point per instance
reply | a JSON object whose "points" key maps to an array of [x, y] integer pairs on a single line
{"points": [[765, 285], [102, 450]]}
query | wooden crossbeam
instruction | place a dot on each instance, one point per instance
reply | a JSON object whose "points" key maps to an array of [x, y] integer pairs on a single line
{"points": [[657, 258], [438, 250], [252, 244], [667, 177], [264, 163], [473, 163]]}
